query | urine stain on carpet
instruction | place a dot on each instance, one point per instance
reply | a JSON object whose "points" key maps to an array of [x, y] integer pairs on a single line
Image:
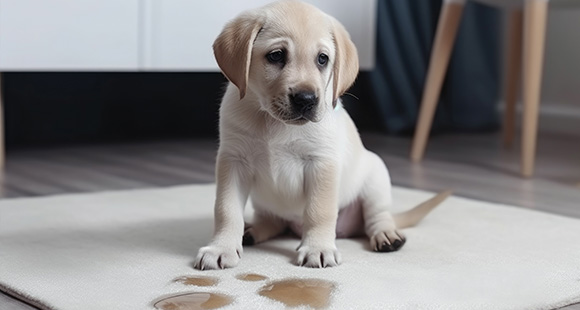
{"points": [[251, 277], [197, 281], [194, 301], [314, 293]]}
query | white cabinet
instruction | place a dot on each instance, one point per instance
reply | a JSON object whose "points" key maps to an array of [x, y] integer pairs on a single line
{"points": [[69, 35], [180, 33], [131, 35]]}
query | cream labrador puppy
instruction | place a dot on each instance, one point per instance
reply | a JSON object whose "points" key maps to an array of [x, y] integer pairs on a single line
{"points": [[287, 143]]}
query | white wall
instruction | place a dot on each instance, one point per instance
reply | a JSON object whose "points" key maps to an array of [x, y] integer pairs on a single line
{"points": [[561, 81], [560, 103]]}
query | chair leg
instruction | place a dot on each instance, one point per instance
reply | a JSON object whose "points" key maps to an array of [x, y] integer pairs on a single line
{"points": [[440, 54], [513, 67], [2, 149], [535, 18]]}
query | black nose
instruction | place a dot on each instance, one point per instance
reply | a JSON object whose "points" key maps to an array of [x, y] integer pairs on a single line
{"points": [[303, 101]]}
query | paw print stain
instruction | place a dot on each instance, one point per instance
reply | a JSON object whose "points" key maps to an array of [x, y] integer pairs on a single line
{"points": [[197, 281], [194, 301], [312, 293], [251, 277]]}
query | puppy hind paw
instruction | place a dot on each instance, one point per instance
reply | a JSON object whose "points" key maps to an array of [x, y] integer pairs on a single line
{"points": [[387, 241], [248, 239]]}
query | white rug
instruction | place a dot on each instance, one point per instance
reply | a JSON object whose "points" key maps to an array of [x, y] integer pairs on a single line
{"points": [[122, 250]]}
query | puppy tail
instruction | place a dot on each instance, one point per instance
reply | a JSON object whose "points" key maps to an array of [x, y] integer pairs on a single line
{"points": [[412, 217]]}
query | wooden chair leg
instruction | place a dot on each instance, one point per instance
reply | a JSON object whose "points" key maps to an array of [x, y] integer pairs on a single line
{"points": [[513, 67], [440, 54], [2, 149], [535, 18]]}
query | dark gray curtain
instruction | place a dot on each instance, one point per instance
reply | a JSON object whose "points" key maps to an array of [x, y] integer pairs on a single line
{"points": [[406, 30]]}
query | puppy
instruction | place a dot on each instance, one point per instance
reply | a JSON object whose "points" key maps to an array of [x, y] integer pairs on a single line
{"points": [[287, 143]]}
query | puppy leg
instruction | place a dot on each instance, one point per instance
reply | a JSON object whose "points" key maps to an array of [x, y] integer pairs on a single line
{"points": [[264, 227], [318, 248], [376, 199], [233, 186]]}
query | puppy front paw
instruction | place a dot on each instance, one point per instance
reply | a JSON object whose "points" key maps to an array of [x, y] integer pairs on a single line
{"points": [[387, 241], [318, 256], [215, 256]]}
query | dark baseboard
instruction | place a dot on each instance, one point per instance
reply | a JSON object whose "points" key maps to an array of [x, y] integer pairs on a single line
{"points": [[43, 108]]}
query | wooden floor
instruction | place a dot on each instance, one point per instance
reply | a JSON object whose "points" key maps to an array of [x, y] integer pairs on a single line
{"points": [[475, 166]]}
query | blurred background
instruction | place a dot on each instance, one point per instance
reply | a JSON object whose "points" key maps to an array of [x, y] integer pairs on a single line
{"points": [[90, 87], [110, 70]]}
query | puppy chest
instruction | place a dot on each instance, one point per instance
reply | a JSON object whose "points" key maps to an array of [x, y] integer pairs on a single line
{"points": [[279, 187], [282, 171]]}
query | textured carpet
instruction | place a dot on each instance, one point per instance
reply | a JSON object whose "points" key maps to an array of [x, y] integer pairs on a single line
{"points": [[123, 250]]}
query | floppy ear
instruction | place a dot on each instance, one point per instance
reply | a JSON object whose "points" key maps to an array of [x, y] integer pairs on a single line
{"points": [[233, 49], [346, 63]]}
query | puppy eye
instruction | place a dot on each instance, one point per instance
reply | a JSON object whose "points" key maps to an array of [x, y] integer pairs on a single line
{"points": [[322, 60], [276, 56]]}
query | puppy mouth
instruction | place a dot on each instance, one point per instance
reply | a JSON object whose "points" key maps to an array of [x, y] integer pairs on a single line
{"points": [[296, 117], [302, 117], [301, 120]]}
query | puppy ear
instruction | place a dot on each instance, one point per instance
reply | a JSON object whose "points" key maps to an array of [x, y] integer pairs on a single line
{"points": [[346, 63], [233, 49]]}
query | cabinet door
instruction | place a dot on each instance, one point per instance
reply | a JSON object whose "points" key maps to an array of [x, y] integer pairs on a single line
{"points": [[69, 35], [179, 34]]}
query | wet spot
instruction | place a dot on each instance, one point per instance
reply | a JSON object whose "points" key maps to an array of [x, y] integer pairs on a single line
{"points": [[252, 277], [314, 293], [194, 301], [197, 281]]}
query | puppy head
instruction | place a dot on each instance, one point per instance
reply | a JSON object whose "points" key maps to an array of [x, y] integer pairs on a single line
{"points": [[294, 58]]}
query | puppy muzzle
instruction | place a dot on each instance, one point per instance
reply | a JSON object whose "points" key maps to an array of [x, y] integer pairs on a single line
{"points": [[304, 105]]}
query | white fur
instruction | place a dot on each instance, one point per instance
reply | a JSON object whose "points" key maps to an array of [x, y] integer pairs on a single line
{"points": [[296, 174]]}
